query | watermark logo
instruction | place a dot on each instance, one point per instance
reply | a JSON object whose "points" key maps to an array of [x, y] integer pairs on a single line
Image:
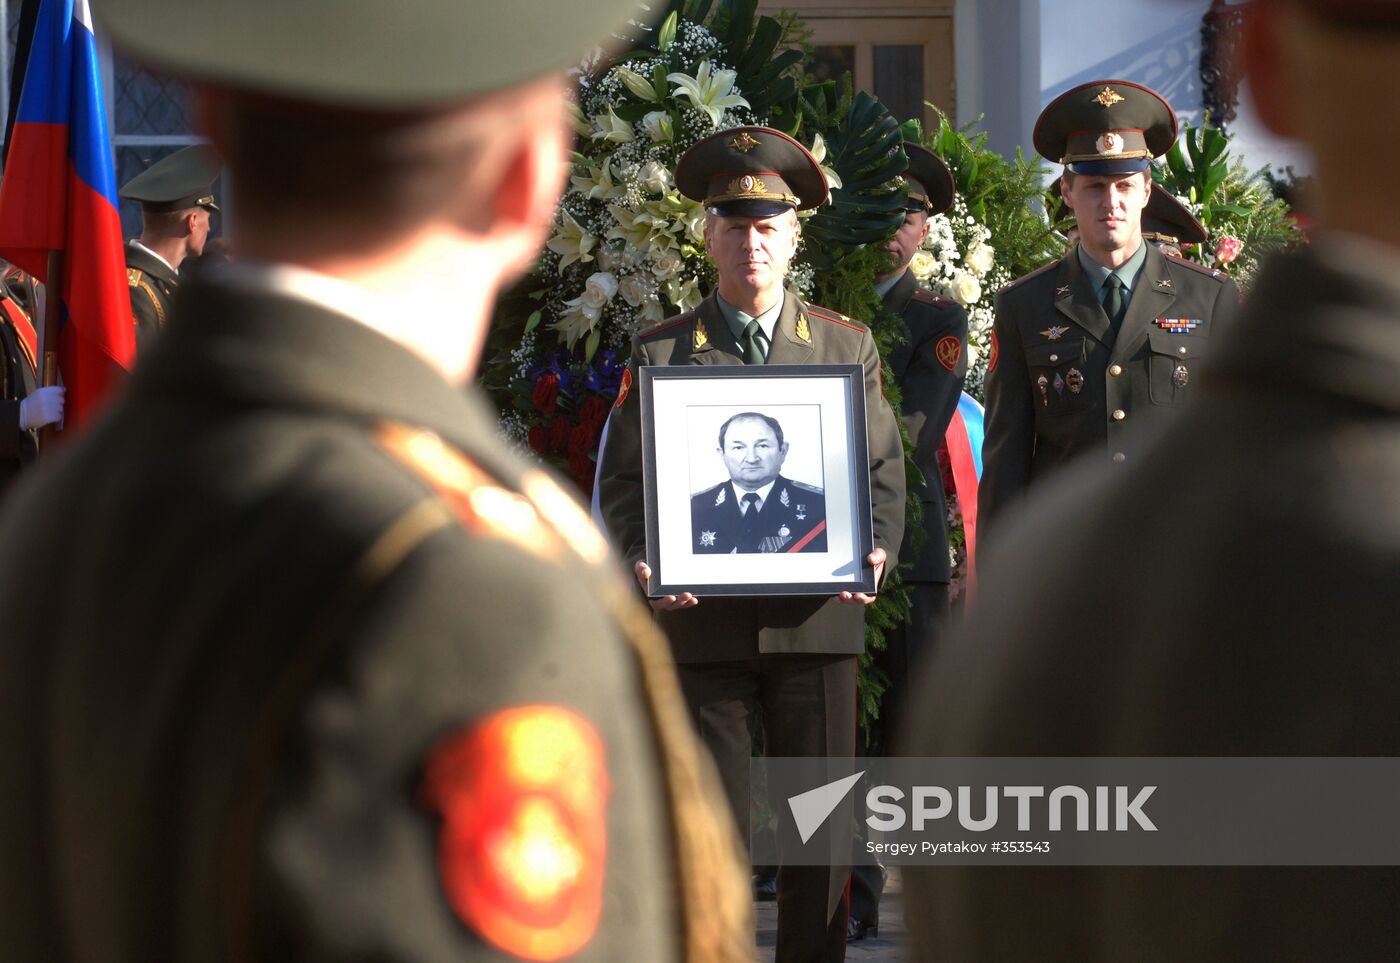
{"points": [[812, 808]]}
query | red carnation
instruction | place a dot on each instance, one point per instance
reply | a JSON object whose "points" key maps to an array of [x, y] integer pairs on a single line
{"points": [[559, 433], [582, 468], [593, 412], [580, 439], [539, 439], [546, 393]]}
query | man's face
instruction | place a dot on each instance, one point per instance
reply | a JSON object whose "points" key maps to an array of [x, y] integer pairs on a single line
{"points": [[751, 453], [1107, 208], [751, 254], [902, 247]]}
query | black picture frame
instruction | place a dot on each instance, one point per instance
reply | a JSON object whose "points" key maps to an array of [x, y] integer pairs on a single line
{"points": [[697, 540]]}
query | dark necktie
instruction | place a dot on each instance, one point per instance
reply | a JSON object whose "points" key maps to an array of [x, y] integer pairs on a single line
{"points": [[754, 352], [750, 501], [1113, 303]]}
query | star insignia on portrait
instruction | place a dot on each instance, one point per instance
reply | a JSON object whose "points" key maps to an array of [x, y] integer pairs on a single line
{"points": [[719, 499], [707, 539], [743, 143], [783, 499], [804, 331], [801, 512], [702, 337], [1108, 97], [1062, 291], [1055, 332]]}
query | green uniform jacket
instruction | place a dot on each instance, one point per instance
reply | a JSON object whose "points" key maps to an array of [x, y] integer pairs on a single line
{"points": [[290, 565], [152, 286], [1060, 384], [17, 379], [1230, 593], [929, 368], [727, 629]]}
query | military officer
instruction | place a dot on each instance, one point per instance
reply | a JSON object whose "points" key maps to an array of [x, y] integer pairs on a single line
{"points": [[929, 367], [24, 407], [757, 510], [794, 657], [1251, 612], [1166, 223], [176, 195], [316, 667], [1093, 354]]}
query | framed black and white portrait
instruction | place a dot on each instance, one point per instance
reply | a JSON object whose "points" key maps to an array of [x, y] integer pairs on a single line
{"points": [[757, 479]]}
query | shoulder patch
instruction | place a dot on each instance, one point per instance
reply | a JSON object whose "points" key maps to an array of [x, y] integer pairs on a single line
{"points": [[803, 486], [928, 297], [1215, 273], [133, 276], [666, 325], [835, 317], [1034, 274]]}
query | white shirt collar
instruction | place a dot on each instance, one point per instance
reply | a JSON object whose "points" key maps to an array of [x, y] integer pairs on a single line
{"points": [[135, 243], [762, 493], [313, 287]]}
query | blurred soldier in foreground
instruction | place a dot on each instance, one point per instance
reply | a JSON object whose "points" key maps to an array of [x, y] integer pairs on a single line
{"points": [[1253, 612], [1093, 354], [300, 662], [176, 195], [791, 658]]}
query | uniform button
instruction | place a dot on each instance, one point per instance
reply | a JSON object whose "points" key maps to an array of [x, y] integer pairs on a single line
{"points": [[1116, 370], [1119, 414], [1119, 458], [1054, 357], [1181, 350]]}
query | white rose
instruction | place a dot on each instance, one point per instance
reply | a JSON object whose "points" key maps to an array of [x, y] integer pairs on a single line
{"points": [[923, 264], [633, 291], [655, 177], [664, 264], [695, 224], [966, 289], [651, 311], [981, 258], [601, 286], [657, 126]]}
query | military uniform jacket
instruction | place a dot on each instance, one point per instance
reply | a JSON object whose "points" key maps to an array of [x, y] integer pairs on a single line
{"points": [[726, 629], [929, 368], [1253, 612], [151, 284], [1060, 384], [793, 519], [17, 379], [308, 570]]}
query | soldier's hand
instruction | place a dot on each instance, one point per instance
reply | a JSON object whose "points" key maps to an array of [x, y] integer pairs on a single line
{"points": [[667, 602], [877, 561], [43, 406]]}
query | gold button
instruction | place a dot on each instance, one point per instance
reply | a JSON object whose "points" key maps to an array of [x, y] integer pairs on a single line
{"points": [[1181, 350], [1054, 357], [1116, 370], [1119, 458], [1119, 414]]}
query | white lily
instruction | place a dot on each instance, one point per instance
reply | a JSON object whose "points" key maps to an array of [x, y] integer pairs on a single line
{"points": [[580, 121], [709, 90], [636, 83], [611, 127], [685, 296], [658, 127], [598, 182], [576, 321], [571, 242], [833, 180]]}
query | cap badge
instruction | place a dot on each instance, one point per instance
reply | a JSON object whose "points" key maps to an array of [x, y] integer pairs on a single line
{"points": [[1055, 332], [1109, 143], [748, 184], [804, 331], [1108, 97], [743, 143]]}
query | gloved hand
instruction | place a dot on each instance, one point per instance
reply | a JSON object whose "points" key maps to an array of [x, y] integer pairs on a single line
{"points": [[44, 406]]}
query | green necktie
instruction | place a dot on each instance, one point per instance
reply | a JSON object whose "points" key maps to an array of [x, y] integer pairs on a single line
{"points": [[755, 351], [1113, 304]]}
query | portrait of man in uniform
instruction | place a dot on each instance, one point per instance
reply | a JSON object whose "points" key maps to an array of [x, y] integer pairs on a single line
{"points": [[757, 510]]}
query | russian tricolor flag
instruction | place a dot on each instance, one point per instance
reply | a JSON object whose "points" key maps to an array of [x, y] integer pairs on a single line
{"points": [[964, 441], [59, 194]]}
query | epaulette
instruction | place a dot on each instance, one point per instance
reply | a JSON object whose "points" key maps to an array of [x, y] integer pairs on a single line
{"points": [[133, 277], [666, 326], [1034, 274], [807, 488], [1219, 275], [928, 297], [826, 314]]}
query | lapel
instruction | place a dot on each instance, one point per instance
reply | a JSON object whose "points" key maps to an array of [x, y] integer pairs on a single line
{"points": [[1151, 298], [1074, 298], [789, 347], [899, 296], [719, 346]]}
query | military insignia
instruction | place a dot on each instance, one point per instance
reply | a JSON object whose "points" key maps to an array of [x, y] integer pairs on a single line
{"points": [[1178, 325], [1164, 283], [1075, 379], [804, 330], [707, 539], [568, 519], [719, 499], [784, 532], [801, 512], [1043, 383], [1062, 291], [783, 499], [1059, 384], [133, 276], [995, 354], [743, 143], [623, 387], [748, 184], [1108, 97], [702, 337], [1180, 376], [1055, 332], [948, 351], [1109, 143]]}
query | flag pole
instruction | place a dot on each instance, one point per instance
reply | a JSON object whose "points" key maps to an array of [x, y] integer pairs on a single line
{"points": [[53, 298]]}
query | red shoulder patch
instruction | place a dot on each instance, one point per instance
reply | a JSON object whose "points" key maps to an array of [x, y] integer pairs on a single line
{"points": [[928, 297], [826, 314], [948, 351], [666, 326], [995, 354], [624, 386]]}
